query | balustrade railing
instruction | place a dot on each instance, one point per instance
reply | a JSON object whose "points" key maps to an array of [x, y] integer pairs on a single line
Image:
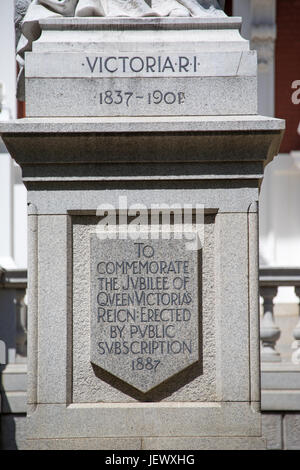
{"points": [[13, 324], [270, 279]]}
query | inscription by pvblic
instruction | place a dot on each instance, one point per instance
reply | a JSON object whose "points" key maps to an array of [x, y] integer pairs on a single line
{"points": [[144, 309]]}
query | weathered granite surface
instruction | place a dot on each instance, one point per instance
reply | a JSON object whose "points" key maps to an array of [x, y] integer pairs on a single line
{"points": [[73, 165]]}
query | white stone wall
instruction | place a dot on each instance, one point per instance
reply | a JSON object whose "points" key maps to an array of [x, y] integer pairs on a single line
{"points": [[282, 430]]}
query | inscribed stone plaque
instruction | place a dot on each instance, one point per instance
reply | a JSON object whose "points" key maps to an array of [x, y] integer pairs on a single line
{"points": [[144, 309], [152, 83]]}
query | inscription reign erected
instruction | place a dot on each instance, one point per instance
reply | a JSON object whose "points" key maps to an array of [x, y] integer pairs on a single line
{"points": [[144, 309]]}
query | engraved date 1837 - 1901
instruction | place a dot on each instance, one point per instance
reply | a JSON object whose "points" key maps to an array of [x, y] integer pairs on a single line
{"points": [[156, 97]]}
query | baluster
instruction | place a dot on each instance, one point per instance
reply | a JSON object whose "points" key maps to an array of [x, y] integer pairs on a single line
{"points": [[269, 332], [296, 334], [21, 323]]}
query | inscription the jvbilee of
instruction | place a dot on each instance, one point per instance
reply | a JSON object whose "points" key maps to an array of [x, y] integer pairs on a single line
{"points": [[144, 309]]}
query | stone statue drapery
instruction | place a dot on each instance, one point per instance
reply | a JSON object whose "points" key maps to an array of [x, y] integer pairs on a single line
{"points": [[29, 12]]}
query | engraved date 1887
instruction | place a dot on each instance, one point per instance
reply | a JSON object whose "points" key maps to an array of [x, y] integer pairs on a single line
{"points": [[157, 97], [144, 363]]}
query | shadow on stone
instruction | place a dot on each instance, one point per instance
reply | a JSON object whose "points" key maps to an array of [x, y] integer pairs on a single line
{"points": [[161, 391]]}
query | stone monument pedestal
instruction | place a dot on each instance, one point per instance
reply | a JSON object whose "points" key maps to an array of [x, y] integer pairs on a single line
{"points": [[142, 344]]}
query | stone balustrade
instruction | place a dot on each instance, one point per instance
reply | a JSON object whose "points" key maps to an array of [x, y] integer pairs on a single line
{"points": [[270, 280], [15, 282], [13, 342], [13, 285]]}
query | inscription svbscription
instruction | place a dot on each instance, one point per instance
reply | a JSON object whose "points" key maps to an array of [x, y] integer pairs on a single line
{"points": [[144, 308]]}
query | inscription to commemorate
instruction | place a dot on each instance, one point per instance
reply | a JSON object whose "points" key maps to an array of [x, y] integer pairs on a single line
{"points": [[144, 309]]}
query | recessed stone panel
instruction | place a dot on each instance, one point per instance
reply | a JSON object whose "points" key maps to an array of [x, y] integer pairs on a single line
{"points": [[144, 309]]}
